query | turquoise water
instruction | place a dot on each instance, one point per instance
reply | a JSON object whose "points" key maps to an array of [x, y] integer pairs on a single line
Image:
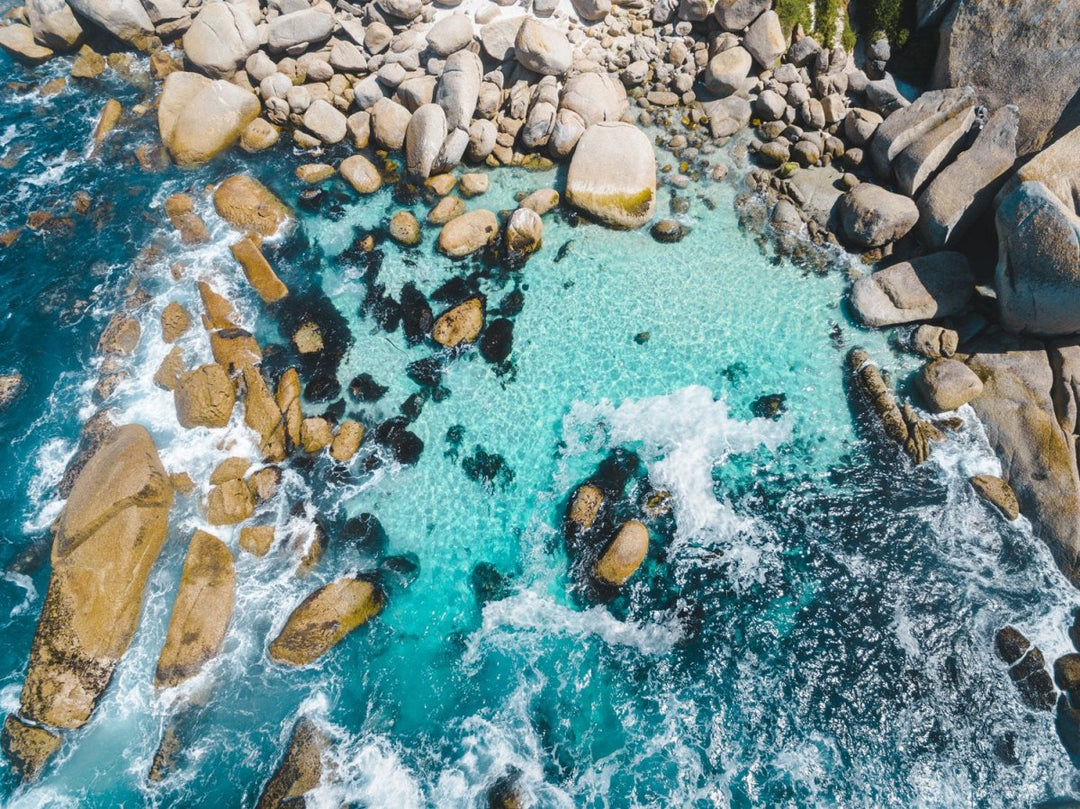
{"points": [[813, 624]]}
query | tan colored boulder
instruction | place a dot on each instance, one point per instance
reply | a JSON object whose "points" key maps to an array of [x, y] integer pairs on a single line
{"points": [[258, 271], [229, 503], [542, 200], [204, 397], [233, 468], [180, 208], [18, 41], [120, 337], [107, 121], [996, 491], [250, 206], [171, 369], [27, 747], [462, 324], [235, 349], [347, 441], [308, 338], [468, 233], [625, 554], [263, 483], [300, 771], [441, 184], [260, 134], [314, 173], [257, 539], [175, 321], [404, 229], [473, 185], [612, 175], [361, 174], [324, 618], [262, 414], [201, 612], [199, 118], [105, 543], [446, 209], [287, 397], [586, 505], [182, 482], [219, 312], [315, 434]]}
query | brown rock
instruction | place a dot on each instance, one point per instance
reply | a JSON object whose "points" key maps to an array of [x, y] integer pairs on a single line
{"points": [[105, 542], [235, 349], [446, 209], [441, 184], [347, 441], [288, 402], [257, 539], [98, 429], [89, 64], [313, 173], [107, 121], [541, 201], [361, 174], [264, 482], [201, 612], [585, 506], [301, 769], [180, 208], [233, 468], [625, 554], [27, 747], [462, 324], [168, 373], [308, 338], [315, 434], [248, 205], [324, 618], [473, 185], [996, 491], [204, 397], [404, 229], [219, 312], [175, 322], [468, 233], [229, 503], [259, 273], [261, 414], [182, 482], [120, 337]]}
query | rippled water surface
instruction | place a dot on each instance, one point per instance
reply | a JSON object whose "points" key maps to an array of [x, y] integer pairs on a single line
{"points": [[813, 624]]}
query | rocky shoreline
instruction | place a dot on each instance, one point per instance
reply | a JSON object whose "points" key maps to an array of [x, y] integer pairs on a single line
{"points": [[837, 156]]}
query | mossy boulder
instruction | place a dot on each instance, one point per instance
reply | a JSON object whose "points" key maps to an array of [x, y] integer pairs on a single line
{"points": [[324, 618], [612, 175]]}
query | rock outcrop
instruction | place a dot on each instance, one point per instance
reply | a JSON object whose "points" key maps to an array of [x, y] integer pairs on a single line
{"points": [[612, 175], [324, 618], [199, 118], [250, 206]]}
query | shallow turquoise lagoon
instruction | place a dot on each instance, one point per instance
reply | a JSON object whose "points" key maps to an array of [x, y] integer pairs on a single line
{"points": [[812, 627]]}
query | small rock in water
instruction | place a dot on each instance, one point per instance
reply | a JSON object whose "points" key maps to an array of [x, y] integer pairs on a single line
{"points": [[11, 385], [497, 341], [488, 583], [488, 469], [405, 446], [512, 303], [365, 389], [366, 534], [642, 337], [770, 406], [668, 231], [426, 372]]}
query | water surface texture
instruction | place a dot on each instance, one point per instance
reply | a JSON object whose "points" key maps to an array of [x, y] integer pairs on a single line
{"points": [[813, 625]]}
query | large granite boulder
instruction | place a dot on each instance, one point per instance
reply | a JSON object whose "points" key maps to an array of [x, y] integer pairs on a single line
{"points": [[964, 189], [199, 118], [735, 15], [201, 612], [612, 175], [1038, 271], [18, 41], [595, 97], [54, 24], [1036, 446], [765, 40], [727, 71], [925, 288], [324, 618], [1022, 52], [542, 48], [424, 138], [220, 39], [497, 37], [299, 29], [204, 397], [905, 126], [872, 216], [452, 33], [105, 542], [460, 324], [249, 206], [459, 88], [126, 19], [947, 384], [914, 166]]}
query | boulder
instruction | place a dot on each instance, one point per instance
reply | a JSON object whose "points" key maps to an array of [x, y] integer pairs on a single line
{"points": [[257, 539], [201, 612], [735, 15], [287, 398], [220, 40], [924, 288], [424, 137], [199, 118], [1021, 421], [28, 748], [315, 434], [473, 185], [595, 97], [585, 506], [963, 190], [542, 48], [497, 38], [765, 40], [299, 29], [595, 10], [947, 384], [693, 10], [234, 349], [105, 543], [53, 24], [249, 206], [175, 321], [523, 235], [401, 9], [468, 233], [18, 41], [347, 441], [232, 468], [461, 324], [326, 122], [404, 229], [361, 174], [907, 125], [727, 115], [262, 414], [258, 271], [1004, 52], [459, 88], [168, 372], [229, 503], [727, 71], [300, 771], [860, 126], [258, 135], [914, 166], [612, 175], [324, 618], [624, 555], [452, 33], [389, 122], [446, 209], [996, 491], [204, 397], [933, 341], [1038, 226], [542, 200], [125, 19], [819, 190], [872, 217]]}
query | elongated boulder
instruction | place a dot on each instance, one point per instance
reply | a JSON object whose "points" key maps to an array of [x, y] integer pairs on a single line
{"points": [[201, 612], [105, 542], [964, 189], [735, 15], [915, 165], [299, 29], [459, 88], [765, 39], [287, 397], [259, 273], [612, 175], [199, 118], [468, 233], [728, 70], [204, 397], [220, 39], [497, 37], [542, 48], [871, 216], [54, 24], [924, 288], [126, 19], [452, 33], [248, 205], [424, 137], [585, 506], [461, 324], [624, 555], [361, 174], [907, 125], [324, 618], [999, 493], [262, 414], [18, 41], [300, 770]]}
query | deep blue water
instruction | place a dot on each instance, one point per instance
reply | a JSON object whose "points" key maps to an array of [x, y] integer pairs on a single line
{"points": [[813, 625]]}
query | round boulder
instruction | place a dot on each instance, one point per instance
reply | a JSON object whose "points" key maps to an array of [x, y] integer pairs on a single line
{"points": [[612, 175], [542, 49], [947, 384], [727, 71], [462, 324], [873, 217], [524, 233], [324, 618], [468, 233], [625, 554]]}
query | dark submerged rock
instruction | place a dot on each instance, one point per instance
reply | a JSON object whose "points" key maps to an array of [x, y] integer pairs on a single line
{"points": [[364, 388], [497, 341], [416, 316], [769, 406], [488, 469]]}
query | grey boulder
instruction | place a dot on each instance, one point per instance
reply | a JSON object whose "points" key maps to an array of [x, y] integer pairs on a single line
{"points": [[424, 138], [871, 216], [947, 384], [925, 288], [220, 39], [542, 49]]}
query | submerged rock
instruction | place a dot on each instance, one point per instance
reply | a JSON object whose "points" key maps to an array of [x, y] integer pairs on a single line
{"points": [[106, 540], [497, 341], [324, 618], [201, 612]]}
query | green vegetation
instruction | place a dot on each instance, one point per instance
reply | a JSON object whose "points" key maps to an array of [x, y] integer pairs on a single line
{"points": [[818, 18], [794, 12], [894, 18]]}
